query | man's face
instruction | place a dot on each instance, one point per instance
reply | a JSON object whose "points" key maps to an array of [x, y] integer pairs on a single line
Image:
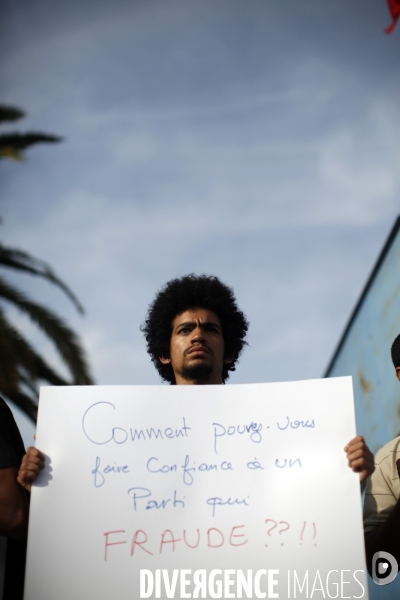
{"points": [[197, 348]]}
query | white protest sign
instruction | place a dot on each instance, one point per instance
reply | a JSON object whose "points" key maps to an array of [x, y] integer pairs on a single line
{"points": [[196, 491]]}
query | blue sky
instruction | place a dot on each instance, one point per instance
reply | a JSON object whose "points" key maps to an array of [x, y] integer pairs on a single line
{"points": [[256, 140]]}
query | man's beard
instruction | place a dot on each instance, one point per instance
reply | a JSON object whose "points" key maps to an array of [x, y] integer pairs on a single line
{"points": [[199, 372]]}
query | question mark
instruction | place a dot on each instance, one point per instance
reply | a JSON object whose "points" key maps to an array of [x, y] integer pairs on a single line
{"points": [[272, 528], [284, 529]]}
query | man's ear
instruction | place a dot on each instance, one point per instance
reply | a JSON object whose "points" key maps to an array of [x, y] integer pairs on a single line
{"points": [[398, 373], [228, 360], [164, 361]]}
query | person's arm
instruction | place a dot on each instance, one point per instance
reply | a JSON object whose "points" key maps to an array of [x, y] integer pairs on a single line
{"points": [[360, 458], [31, 464], [14, 507]]}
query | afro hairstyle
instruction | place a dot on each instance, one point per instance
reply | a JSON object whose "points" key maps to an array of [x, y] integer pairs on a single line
{"points": [[395, 352], [193, 291]]}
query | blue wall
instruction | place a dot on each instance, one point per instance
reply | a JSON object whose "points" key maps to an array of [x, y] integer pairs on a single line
{"points": [[364, 353]]}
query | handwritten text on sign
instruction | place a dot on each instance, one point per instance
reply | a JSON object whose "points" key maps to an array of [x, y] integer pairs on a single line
{"points": [[192, 477]]}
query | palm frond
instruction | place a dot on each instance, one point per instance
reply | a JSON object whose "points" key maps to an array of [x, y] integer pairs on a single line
{"points": [[28, 384], [21, 367], [21, 141], [27, 404], [22, 261], [63, 337], [10, 113], [9, 374], [25, 356]]}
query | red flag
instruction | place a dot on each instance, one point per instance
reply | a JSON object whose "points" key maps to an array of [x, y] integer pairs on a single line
{"points": [[394, 7]]}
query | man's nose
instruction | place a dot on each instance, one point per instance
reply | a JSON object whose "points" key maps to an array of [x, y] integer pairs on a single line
{"points": [[197, 334]]}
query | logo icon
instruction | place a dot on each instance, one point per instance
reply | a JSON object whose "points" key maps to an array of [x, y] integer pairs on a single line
{"points": [[384, 568]]}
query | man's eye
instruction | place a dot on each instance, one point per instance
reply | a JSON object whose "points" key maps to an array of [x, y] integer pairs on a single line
{"points": [[212, 329]]}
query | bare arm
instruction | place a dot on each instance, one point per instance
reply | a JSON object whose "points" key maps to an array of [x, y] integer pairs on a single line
{"points": [[360, 458], [31, 464], [13, 505]]}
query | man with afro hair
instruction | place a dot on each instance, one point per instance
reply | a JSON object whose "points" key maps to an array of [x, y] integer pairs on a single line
{"points": [[382, 496], [195, 331]]}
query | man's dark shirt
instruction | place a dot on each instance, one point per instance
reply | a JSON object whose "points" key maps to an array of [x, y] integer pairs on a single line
{"points": [[11, 452]]}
